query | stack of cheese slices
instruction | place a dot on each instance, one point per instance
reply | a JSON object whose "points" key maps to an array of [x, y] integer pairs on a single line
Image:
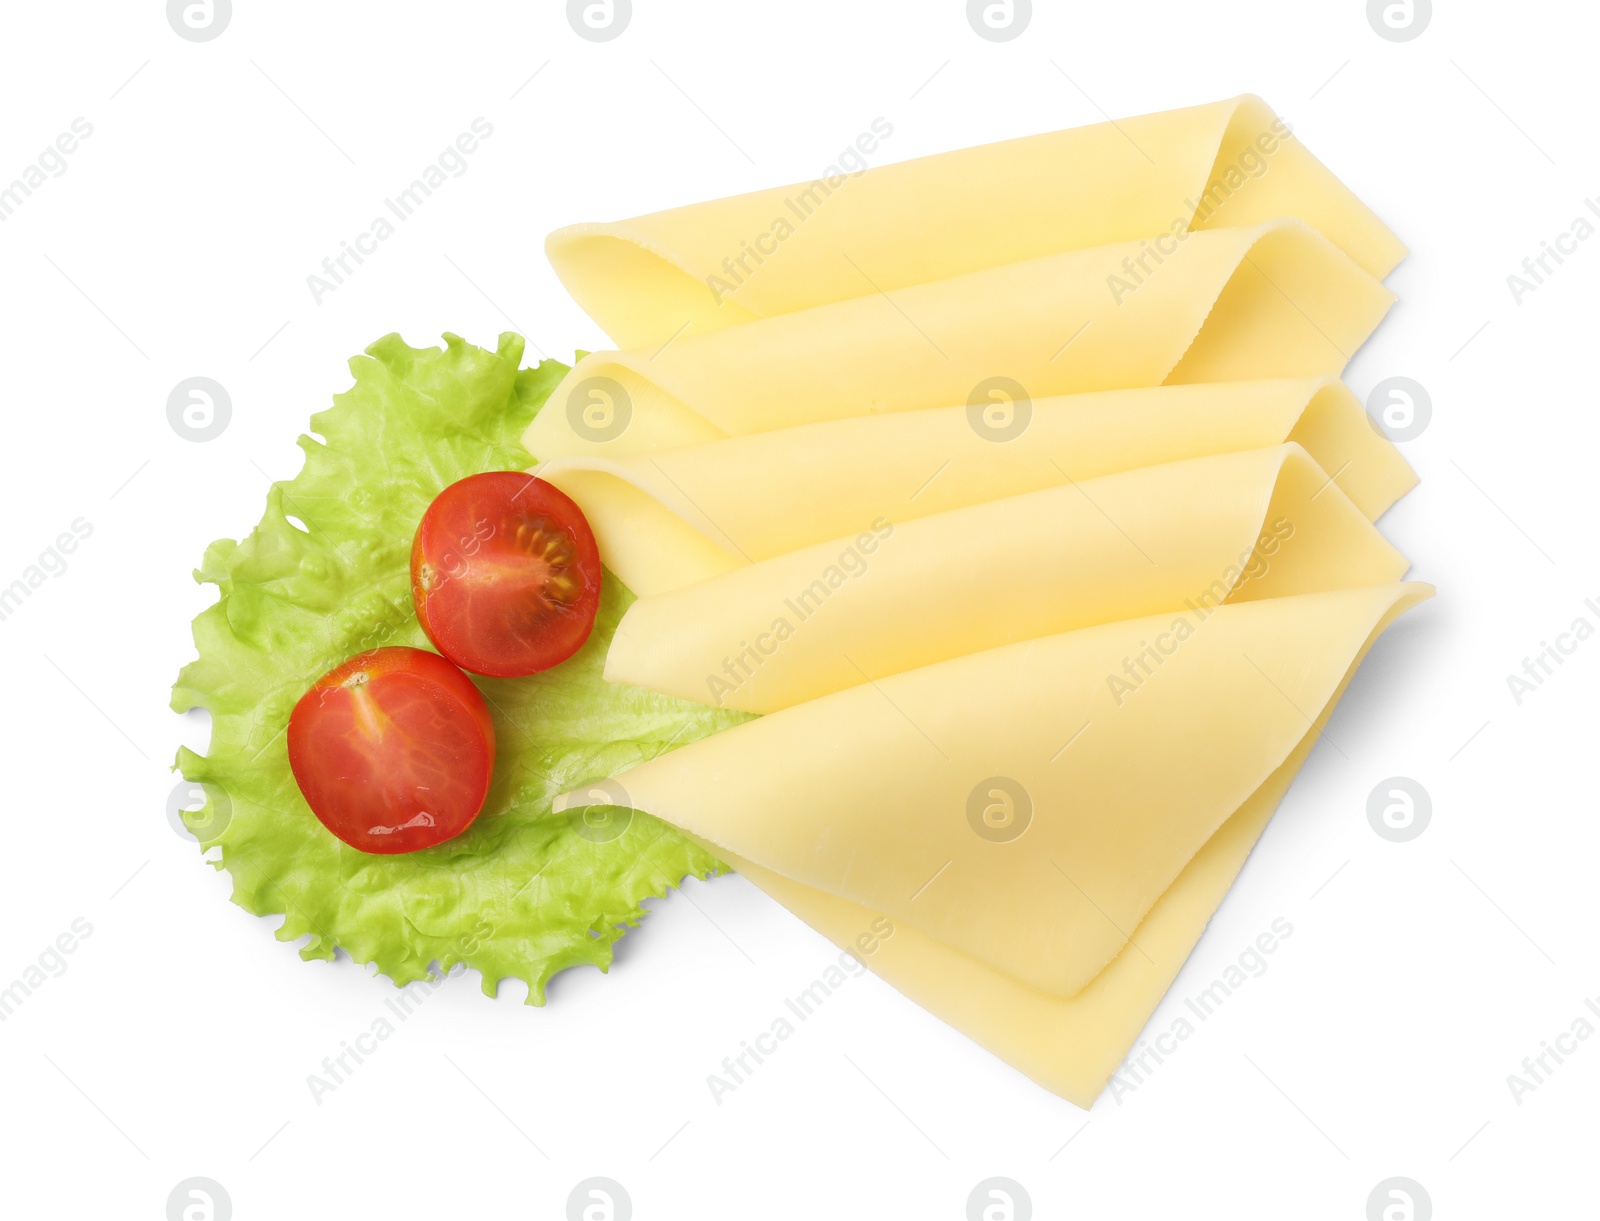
{"points": [[1016, 488]]}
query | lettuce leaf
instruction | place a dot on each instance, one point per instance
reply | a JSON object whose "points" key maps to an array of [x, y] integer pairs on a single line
{"points": [[524, 892]]}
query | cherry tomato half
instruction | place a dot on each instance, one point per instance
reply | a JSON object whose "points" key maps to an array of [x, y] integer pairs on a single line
{"points": [[505, 574], [393, 750]]}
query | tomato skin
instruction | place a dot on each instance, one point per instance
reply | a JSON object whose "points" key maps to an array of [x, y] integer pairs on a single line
{"points": [[505, 574], [393, 750]]}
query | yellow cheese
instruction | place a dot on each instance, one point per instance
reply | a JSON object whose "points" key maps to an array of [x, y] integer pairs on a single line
{"points": [[856, 231], [1070, 1045], [668, 519], [982, 476], [1186, 535], [1027, 805], [1267, 301]]}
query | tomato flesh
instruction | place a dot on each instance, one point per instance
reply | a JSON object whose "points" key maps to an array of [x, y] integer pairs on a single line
{"points": [[393, 750], [505, 574]]}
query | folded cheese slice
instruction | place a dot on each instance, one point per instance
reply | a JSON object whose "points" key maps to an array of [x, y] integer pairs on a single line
{"points": [[669, 519], [1184, 536], [1024, 806], [1265, 301], [857, 231], [1069, 1045]]}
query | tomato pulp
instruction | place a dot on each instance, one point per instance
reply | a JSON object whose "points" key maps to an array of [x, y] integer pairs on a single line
{"points": [[393, 750], [505, 574]]}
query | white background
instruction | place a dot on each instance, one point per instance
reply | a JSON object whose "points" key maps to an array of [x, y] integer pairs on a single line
{"points": [[178, 242]]}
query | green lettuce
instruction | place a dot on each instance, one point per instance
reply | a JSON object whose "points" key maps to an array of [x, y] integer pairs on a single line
{"points": [[524, 892]]}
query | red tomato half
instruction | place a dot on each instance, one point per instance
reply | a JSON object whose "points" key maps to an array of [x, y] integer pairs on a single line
{"points": [[505, 574], [393, 750]]}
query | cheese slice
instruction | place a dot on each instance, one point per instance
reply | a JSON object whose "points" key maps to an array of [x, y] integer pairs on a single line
{"points": [[856, 231], [1266, 301], [1184, 536], [669, 519], [1069, 1045], [1027, 805]]}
